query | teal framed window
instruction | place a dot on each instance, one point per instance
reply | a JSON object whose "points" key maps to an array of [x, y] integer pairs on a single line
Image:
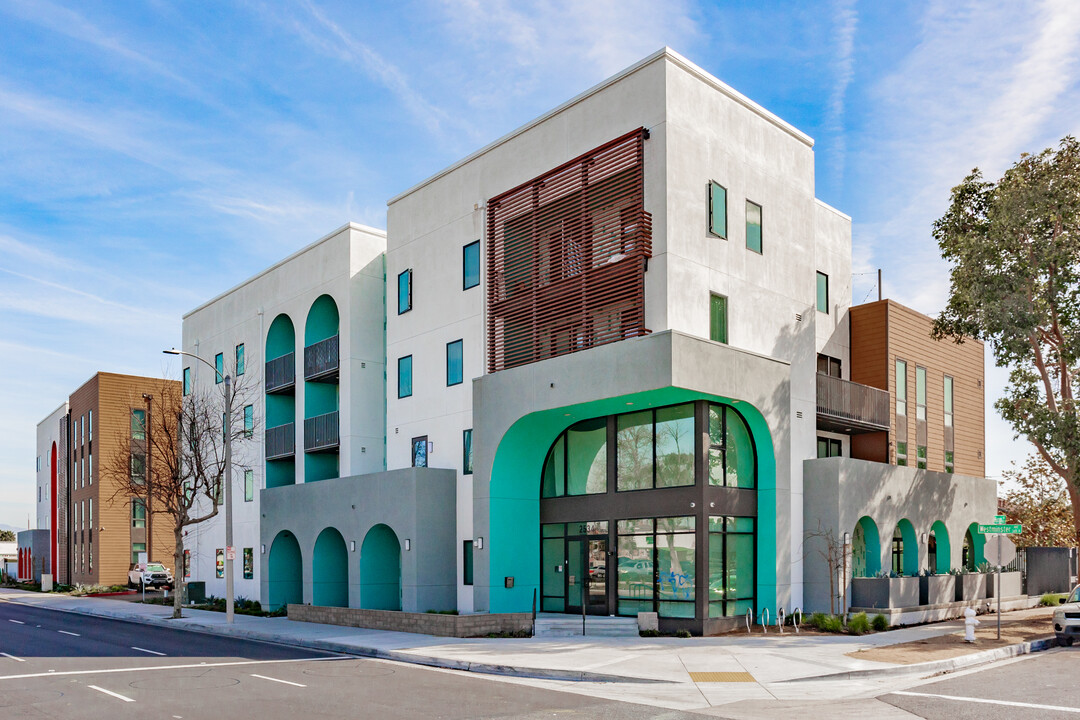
{"points": [[732, 565], [240, 359], [404, 376], [187, 381], [466, 452], [138, 512], [470, 265], [576, 464], [718, 319], [249, 563], [753, 226], [404, 291], [454, 362], [138, 424], [467, 562], [249, 485], [718, 210], [901, 388], [219, 367], [655, 448], [822, 292], [732, 460], [249, 421], [920, 393]]}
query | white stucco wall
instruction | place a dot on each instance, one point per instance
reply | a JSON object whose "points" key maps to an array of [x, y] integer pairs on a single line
{"points": [[48, 432]]}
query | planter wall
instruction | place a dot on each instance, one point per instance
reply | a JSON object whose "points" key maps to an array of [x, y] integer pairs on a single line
{"points": [[937, 589], [885, 592], [1011, 585], [970, 586]]}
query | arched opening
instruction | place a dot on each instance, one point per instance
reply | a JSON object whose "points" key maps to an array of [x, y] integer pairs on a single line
{"points": [[330, 570], [905, 549], [53, 511], [280, 386], [286, 579], [865, 548], [974, 542], [380, 570], [940, 560], [321, 419]]}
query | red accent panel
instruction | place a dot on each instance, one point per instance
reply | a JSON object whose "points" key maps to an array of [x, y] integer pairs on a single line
{"points": [[52, 503]]}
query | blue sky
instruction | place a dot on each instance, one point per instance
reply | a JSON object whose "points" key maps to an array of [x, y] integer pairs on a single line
{"points": [[153, 154]]}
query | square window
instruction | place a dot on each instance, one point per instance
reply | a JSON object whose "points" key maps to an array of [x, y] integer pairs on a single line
{"points": [[240, 359], [187, 381], [753, 226], [717, 210], [136, 550], [470, 265], [404, 292], [822, 292], [404, 377], [219, 367], [454, 362], [466, 452], [718, 320]]}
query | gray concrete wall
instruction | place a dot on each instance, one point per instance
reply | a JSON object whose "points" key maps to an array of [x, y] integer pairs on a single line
{"points": [[416, 503], [840, 491], [1050, 570], [424, 623], [38, 542]]}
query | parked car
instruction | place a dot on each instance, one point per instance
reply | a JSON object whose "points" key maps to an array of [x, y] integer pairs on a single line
{"points": [[1067, 618], [150, 575]]}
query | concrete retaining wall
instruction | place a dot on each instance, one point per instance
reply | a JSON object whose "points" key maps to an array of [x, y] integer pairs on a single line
{"points": [[477, 625]]}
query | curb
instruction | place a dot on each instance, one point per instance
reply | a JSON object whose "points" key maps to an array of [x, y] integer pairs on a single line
{"points": [[938, 666], [367, 652]]}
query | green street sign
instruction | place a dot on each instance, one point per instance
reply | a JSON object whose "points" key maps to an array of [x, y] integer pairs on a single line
{"points": [[1014, 529], [1000, 519]]}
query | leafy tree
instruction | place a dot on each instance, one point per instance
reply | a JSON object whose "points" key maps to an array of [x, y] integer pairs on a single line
{"points": [[7, 536], [1014, 248], [1036, 496], [178, 466]]}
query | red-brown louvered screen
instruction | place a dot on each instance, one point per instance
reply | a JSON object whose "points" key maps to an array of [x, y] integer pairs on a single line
{"points": [[566, 257]]}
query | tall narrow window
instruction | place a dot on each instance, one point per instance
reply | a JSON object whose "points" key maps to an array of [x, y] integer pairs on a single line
{"points": [[920, 416], [950, 464], [138, 424], [470, 265], [187, 381], [718, 320], [404, 291], [249, 421], [467, 563], [753, 226], [249, 485], [404, 377], [717, 210], [901, 413], [454, 361], [138, 469], [822, 292], [420, 451], [219, 367], [138, 513], [187, 563], [89, 425], [249, 563], [240, 359], [466, 452]]}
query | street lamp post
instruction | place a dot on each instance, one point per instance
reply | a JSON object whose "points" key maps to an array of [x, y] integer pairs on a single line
{"points": [[230, 551]]}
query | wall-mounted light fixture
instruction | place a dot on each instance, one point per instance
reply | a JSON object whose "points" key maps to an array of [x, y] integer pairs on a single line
{"points": [[352, 546], [262, 549], [847, 538], [480, 543], [408, 544]]}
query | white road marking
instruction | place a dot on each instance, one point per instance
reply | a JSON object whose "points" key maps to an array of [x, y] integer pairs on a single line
{"points": [[287, 682], [106, 671], [110, 692], [987, 701], [19, 622], [12, 657], [69, 633], [152, 652]]}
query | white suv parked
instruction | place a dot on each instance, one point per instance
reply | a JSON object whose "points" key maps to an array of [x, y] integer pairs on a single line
{"points": [[150, 575], [1067, 619]]}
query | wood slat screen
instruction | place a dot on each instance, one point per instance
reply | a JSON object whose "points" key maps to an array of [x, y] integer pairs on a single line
{"points": [[567, 253]]}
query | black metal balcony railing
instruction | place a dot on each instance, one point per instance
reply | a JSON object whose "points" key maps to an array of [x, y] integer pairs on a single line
{"points": [[848, 407], [321, 360], [281, 441], [281, 373], [321, 432]]}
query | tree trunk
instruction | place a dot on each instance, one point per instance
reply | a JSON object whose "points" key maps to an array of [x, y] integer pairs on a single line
{"points": [[178, 578], [1074, 498]]}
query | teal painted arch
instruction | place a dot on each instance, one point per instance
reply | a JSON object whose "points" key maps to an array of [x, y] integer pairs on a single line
{"points": [[285, 572], [974, 548], [280, 338], [909, 554], [330, 570], [513, 545], [380, 570], [865, 548], [322, 320], [943, 549]]}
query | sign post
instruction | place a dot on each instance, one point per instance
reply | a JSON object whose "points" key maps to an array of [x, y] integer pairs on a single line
{"points": [[1000, 553]]}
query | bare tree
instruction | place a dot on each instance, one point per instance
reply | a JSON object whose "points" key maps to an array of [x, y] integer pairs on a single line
{"points": [[175, 464], [833, 551]]}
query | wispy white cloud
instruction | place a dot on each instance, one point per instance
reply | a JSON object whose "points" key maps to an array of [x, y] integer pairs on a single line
{"points": [[846, 22]]}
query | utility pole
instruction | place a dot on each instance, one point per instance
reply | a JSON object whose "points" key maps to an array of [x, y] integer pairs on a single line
{"points": [[230, 551]]}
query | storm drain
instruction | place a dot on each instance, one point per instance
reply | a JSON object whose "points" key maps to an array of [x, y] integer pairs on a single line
{"points": [[711, 677]]}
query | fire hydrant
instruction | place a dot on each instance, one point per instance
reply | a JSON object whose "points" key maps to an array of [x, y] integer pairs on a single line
{"points": [[969, 625]]}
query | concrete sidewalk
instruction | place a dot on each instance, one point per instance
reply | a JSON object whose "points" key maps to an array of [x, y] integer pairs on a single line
{"points": [[763, 659]]}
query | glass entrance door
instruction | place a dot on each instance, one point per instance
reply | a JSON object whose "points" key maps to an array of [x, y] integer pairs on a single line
{"points": [[597, 578]]}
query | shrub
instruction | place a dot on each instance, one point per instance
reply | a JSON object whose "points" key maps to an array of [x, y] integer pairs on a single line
{"points": [[858, 624], [1051, 599], [682, 633], [833, 624], [817, 620], [649, 633], [879, 623]]}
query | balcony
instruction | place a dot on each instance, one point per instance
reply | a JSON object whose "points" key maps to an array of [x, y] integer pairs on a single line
{"points": [[281, 441], [321, 361], [850, 408], [281, 374], [321, 433]]}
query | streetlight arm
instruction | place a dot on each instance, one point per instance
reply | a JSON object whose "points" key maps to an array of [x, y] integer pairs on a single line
{"points": [[204, 361]]}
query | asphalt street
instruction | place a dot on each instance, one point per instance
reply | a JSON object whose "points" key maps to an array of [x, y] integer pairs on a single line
{"points": [[1044, 686], [60, 665]]}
